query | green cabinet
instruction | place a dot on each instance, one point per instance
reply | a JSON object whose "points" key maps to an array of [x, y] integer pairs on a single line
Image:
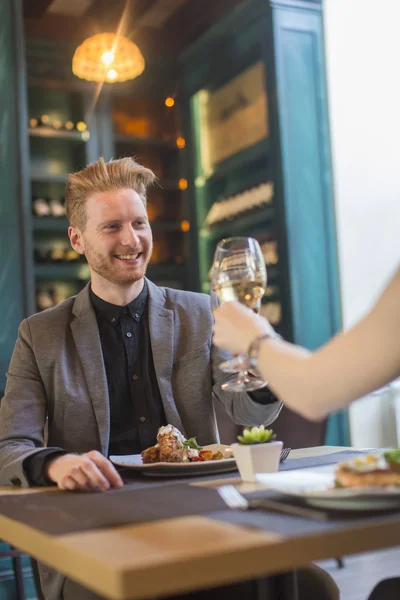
{"points": [[297, 225], [237, 145]]}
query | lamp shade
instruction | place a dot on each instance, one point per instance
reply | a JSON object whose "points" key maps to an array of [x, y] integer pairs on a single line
{"points": [[107, 57]]}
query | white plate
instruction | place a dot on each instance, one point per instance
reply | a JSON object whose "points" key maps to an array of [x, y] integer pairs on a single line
{"points": [[317, 489], [134, 462]]}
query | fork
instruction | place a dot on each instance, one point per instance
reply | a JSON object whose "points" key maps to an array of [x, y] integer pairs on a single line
{"points": [[235, 500], [284, 454]]}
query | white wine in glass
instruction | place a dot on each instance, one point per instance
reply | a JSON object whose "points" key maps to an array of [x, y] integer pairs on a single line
{"points": [[244, 291]]}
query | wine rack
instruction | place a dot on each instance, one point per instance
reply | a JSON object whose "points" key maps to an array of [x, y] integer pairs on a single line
{"points": [[59, 143]]}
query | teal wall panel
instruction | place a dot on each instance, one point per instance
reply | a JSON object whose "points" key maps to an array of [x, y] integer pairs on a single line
{"points": [[13, 165], [307, 181], [306, 167]]}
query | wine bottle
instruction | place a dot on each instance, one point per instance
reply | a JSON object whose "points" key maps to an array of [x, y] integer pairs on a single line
{"points": [[40, 207], [57, 209], [44, 121], [43, 299]]}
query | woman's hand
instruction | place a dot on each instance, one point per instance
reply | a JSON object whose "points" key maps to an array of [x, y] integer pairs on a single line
{"points": [[236, 326]]}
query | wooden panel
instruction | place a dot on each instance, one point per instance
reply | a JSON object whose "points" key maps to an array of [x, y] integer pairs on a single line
{"points": [[13, 175]]}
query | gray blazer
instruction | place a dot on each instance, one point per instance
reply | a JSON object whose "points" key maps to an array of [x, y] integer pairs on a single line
{"points": [[57, 371]]}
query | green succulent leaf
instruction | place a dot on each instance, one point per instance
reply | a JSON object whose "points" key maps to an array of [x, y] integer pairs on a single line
{"points": [[256, 435]]}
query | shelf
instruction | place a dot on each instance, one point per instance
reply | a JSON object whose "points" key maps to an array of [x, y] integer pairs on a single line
{"points": [[81, 271], [59, 134], [239, 161], [230, 228], [166, 226], [170, 185], [145, 141], [62, 271], [49, 178], [50, 224]]}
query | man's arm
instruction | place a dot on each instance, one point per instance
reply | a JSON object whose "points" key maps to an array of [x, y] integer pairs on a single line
{"points": [[23, 412], [257, 408]]}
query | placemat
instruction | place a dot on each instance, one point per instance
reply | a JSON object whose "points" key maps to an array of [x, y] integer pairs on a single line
{"points": [[58, 513], [318, 461]]}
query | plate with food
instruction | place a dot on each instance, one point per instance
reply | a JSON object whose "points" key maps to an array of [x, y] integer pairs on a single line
{"points": [[175, 455], [367, 482]]}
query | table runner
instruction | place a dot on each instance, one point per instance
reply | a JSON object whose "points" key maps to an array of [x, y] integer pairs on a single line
{"points": [[140, 501]]}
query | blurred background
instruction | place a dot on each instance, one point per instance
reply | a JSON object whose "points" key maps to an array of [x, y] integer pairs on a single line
{"points": [[274, 119]]}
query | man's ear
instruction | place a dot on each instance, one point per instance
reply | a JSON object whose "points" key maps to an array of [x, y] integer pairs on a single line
{"points": [[76, 239]]}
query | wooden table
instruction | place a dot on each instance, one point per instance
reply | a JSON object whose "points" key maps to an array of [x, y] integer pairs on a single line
{"points": [[183, 554]]}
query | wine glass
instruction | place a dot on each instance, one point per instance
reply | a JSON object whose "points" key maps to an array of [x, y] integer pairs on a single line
{"points": [[239, 273]]}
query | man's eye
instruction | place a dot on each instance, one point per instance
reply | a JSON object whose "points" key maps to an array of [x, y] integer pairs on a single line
{"points": [[112, 226]]}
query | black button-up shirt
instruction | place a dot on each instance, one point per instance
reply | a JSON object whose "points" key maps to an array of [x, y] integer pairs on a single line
{"points": [[136, 409]]}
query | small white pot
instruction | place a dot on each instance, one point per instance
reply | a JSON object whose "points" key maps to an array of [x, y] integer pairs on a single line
{"points": [[257, 458]]}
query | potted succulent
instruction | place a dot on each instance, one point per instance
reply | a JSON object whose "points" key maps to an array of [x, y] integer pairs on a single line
{"points": [[257, 451]]}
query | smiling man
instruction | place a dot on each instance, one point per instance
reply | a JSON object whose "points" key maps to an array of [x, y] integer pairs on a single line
{"points": [[110, 366]]}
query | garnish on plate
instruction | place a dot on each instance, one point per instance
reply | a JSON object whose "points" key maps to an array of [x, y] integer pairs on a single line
{"points": [[192, 443]]}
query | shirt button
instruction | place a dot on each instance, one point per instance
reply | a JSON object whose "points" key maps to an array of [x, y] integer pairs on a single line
{"points": [[129, 334], [135, 377], [142, 419], [113, 320], [136, 315]]}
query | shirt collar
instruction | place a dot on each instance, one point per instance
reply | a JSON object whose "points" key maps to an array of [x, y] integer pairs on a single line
{"points": [[112, 312]]}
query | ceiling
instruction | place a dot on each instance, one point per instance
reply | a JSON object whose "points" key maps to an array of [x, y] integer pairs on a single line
{"points": [[166, 26]]}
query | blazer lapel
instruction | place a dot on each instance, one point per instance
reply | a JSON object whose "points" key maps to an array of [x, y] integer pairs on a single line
{"points": [[161, 326], [87, 340]]}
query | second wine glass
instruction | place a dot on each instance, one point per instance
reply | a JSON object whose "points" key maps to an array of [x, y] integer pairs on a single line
{"points": [[239, 274]]}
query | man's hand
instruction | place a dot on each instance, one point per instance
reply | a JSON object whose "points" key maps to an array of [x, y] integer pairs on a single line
{"points": [[90, 472]]}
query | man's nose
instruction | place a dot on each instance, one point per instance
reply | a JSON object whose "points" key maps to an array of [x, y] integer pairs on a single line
{"points": [[130, 237]]}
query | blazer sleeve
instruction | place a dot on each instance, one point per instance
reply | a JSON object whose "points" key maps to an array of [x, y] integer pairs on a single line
{"points": [[242, 409], [23, 412]]}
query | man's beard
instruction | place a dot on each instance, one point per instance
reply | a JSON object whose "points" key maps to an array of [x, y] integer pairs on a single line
{"points": [[102, 265]]}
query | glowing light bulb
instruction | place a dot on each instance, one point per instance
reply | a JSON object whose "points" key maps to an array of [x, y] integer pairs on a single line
{"points": [[180, 142], [185, 226], [107, 58], [112, 74], [169, 101], [81, 126], [183, 184]]}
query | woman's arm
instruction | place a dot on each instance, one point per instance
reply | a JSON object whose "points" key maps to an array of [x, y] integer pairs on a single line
{"points": [[351, 365]]}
